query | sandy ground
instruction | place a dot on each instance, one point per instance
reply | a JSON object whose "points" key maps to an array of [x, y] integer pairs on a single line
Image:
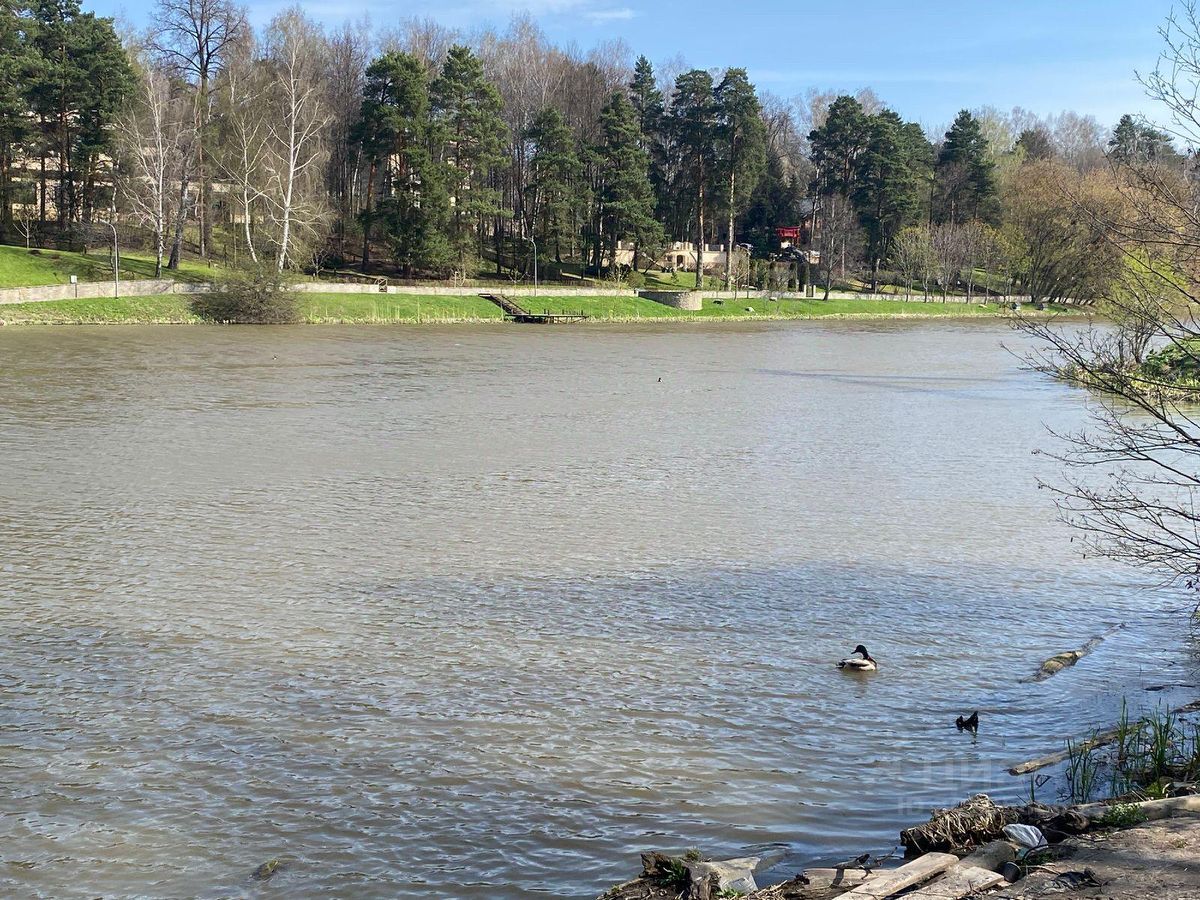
{"points": [[1159, 860]]}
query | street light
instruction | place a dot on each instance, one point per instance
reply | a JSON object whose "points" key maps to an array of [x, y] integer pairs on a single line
{"points": [[116, 264], [534, 245]]}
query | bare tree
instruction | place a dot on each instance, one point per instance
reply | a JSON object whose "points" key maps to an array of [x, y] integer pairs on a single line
{"points": [[1133, 476], [157, 143], [295, 150], [346, 63], [912, 252], [194, 37], [244, 107], [948, 246], [839, 240]]}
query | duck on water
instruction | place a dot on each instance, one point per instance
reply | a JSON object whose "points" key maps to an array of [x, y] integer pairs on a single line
{"points": [[855, 664]]}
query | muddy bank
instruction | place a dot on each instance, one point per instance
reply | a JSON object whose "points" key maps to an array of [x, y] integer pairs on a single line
{"points": [[977, 849]]}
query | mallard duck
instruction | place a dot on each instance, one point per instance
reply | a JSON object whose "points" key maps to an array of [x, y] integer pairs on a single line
{"points": [[854, 664]]}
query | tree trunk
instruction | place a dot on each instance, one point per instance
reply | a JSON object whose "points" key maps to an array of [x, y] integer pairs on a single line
{"points": [[42, 196], [366, 245], [700, 223], [202, 168], [180, 218], [729, 230]]}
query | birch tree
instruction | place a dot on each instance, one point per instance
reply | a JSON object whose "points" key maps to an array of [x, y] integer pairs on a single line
{"points": [[295, 149], [243, 108], [158, 149]]}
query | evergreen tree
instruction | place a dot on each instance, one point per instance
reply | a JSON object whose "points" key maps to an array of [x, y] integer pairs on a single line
{"points": [[890, 184], [775, 202], [467, 110], [556, 188], [1036, 144], [626, 200], [1133, 141], [693, 122], [18, 68], [743, 150], [395, 132], [838, 146], [647, 102], [966, 174], [84, 80]]}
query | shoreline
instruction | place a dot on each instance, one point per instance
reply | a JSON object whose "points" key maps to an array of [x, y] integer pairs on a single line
{"points": [[349, 309], [978, 849]]}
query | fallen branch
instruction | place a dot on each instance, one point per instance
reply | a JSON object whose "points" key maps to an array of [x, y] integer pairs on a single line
{"points": [[1151, 809], [1099, 739]]}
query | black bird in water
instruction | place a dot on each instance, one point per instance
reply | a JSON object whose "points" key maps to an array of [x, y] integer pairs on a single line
{"points": [[971, 723]]}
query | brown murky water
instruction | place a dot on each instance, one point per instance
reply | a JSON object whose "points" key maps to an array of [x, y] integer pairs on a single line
{"points": [[482, 613]]}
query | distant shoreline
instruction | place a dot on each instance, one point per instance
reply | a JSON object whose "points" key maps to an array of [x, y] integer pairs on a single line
{"points": [[367, 309]]}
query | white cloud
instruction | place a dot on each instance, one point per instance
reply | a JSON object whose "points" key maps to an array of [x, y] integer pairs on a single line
{"points": [[620, 14]]}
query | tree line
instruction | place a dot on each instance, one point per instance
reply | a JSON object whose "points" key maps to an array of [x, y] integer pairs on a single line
{"points": [[427, 153]]}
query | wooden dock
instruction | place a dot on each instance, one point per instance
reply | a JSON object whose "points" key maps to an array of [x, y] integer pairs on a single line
{"points": [[517, 313]]}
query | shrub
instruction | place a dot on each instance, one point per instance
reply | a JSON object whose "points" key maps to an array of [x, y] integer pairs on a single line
{"points": [[635, 280], [257, 296]]}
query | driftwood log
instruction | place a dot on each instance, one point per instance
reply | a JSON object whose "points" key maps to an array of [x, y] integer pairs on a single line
{"points": [[1151, 809]]}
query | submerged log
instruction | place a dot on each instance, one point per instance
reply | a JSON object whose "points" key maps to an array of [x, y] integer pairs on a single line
{"points": [[1099, 739], [1060, 661]]}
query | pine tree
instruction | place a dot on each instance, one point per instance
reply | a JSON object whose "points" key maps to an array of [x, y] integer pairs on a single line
{"points": [[467, 110], [647, 102], [966, 174], [1133, 141], [1036, 144], [626, 200], [396, 133], [890, 185], [838, 145], [743, 150], [84, 79], [18, 68], [556, 188], [694, 121]]}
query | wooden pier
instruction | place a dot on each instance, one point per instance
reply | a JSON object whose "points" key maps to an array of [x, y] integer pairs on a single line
{"points": [[517, 313]]}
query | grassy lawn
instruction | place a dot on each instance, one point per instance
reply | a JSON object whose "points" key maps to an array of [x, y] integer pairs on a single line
{"points": [[24, 268], [165, 309], [683, 281], [623, 308], [373, 308]]}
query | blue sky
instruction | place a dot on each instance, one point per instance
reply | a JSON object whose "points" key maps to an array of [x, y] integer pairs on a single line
{"points": [[925, 59]]}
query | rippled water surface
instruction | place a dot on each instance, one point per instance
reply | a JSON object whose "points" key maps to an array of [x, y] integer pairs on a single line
{"points": [[483, 613]]}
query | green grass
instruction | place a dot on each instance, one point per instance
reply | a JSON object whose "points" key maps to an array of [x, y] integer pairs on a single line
{"points": [[406, 308], [383, 308], [165, 309], [682, 281], [24, 268]]}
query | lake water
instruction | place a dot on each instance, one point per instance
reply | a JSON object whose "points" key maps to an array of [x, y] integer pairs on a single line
{"points": [[457, 612]]}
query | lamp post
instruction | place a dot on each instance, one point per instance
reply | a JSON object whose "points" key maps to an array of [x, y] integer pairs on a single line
{"points": [[116, 264], [533, 244]]}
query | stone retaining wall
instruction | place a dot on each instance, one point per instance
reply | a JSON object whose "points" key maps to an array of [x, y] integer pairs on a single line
{"points": [[91, 289], [689, 300], [322, 287]]}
